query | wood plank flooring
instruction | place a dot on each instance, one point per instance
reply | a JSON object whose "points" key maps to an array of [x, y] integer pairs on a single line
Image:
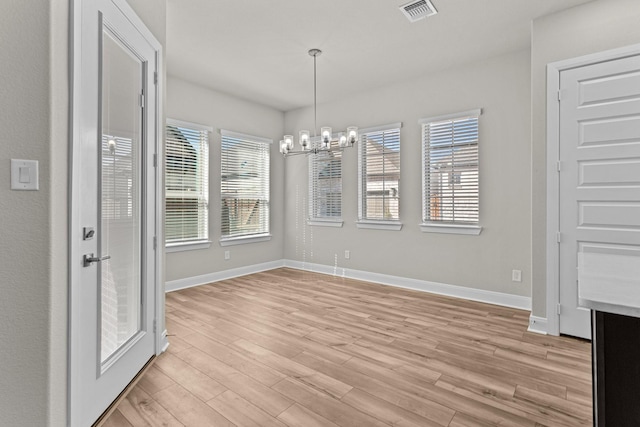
{"points": [[292, 348]]}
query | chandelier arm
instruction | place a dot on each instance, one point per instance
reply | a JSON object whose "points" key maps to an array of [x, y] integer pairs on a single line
{"points": [[314, 151], [295, 153]]}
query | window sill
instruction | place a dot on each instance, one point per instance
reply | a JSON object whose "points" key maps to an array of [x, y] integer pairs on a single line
{"points": [[473, 230], [187, 246], [242, 240], [337, 223], [380, 225]]}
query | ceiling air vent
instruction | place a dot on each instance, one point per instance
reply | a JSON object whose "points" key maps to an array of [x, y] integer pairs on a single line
{"points": [[417, 10]]}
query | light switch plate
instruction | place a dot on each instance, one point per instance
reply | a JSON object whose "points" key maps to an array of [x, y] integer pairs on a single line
{"points": [[24, 174]]}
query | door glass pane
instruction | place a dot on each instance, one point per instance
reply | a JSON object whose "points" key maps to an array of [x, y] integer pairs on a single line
{"points": [[121, 227]]}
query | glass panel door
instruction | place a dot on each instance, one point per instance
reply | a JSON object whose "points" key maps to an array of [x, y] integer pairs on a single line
{"points": [[121, 199], [114, 293]]}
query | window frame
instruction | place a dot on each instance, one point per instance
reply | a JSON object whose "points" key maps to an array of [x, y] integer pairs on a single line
{"points": [[328, 220], [394, 224], [454, 226], [200, 242], [264, 196]]}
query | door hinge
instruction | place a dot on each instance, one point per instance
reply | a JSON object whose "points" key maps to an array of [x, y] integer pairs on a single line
{"points": [[142, 100], [558, 237], [155, 77], [154, 326], [559, 95], [559, 165], [155, 242], [155, 160], [559, 308]]}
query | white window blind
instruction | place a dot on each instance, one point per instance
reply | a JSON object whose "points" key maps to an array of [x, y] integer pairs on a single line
{"points": [[450, 168], [186, 182], [244, 185], [379, 173], [120, 171], [325, 185]]}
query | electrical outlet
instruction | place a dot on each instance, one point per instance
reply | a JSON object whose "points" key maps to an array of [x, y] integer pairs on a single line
{"points": [[227, 255], [347, 254], [516, 275]]}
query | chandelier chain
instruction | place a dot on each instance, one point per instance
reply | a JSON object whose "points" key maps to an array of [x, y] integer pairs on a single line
{"points": [[315, 97]]}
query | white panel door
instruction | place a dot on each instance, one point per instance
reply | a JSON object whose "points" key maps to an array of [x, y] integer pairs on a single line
{"points": [[599, 173], [113, 291]]}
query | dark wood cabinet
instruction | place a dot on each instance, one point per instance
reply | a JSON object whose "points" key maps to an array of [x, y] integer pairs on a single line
{"points": [[616, 370]]}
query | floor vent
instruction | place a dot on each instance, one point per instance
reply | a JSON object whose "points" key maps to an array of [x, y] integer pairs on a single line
{"points": [[417, 10]]}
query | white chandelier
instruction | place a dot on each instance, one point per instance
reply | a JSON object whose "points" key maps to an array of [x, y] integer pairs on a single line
{"points": [[345, 139]]}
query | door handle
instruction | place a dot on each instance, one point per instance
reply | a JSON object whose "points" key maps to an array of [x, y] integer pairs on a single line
{"points": [[89, 258]]}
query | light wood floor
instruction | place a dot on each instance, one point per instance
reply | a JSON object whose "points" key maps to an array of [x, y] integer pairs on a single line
{"points": [[289, 348]]}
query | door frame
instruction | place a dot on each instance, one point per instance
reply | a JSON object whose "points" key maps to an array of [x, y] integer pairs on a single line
{"points": [[553, 177], [74, 226]]}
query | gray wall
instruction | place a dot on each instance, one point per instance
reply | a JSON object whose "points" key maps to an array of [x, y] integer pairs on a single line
{"points": [[192, 103], [26, 232], [501, 87], [593, 27]]}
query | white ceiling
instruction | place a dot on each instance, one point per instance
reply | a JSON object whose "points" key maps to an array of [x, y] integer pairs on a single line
{"points": [[257, 49]]}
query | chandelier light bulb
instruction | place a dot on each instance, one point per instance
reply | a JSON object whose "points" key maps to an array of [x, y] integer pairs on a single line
{"points": [[304, 139], [325, 133], [288, 140], [342, 141], [352, 135]]}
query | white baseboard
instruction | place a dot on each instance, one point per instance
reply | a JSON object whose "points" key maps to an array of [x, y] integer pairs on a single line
{"points": [[490, 297], [189, 282], [537, 325]]}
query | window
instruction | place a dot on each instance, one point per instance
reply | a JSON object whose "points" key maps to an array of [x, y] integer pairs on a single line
{"points": [[120, 156], [379, 177], [450, 168], [244, 188], [187, 185], [325, 188]]}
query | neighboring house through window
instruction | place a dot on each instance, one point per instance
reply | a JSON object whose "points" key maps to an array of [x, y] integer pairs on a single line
{"points": [[244, 188], [451, 173], [186, 185], [379, 177]]}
